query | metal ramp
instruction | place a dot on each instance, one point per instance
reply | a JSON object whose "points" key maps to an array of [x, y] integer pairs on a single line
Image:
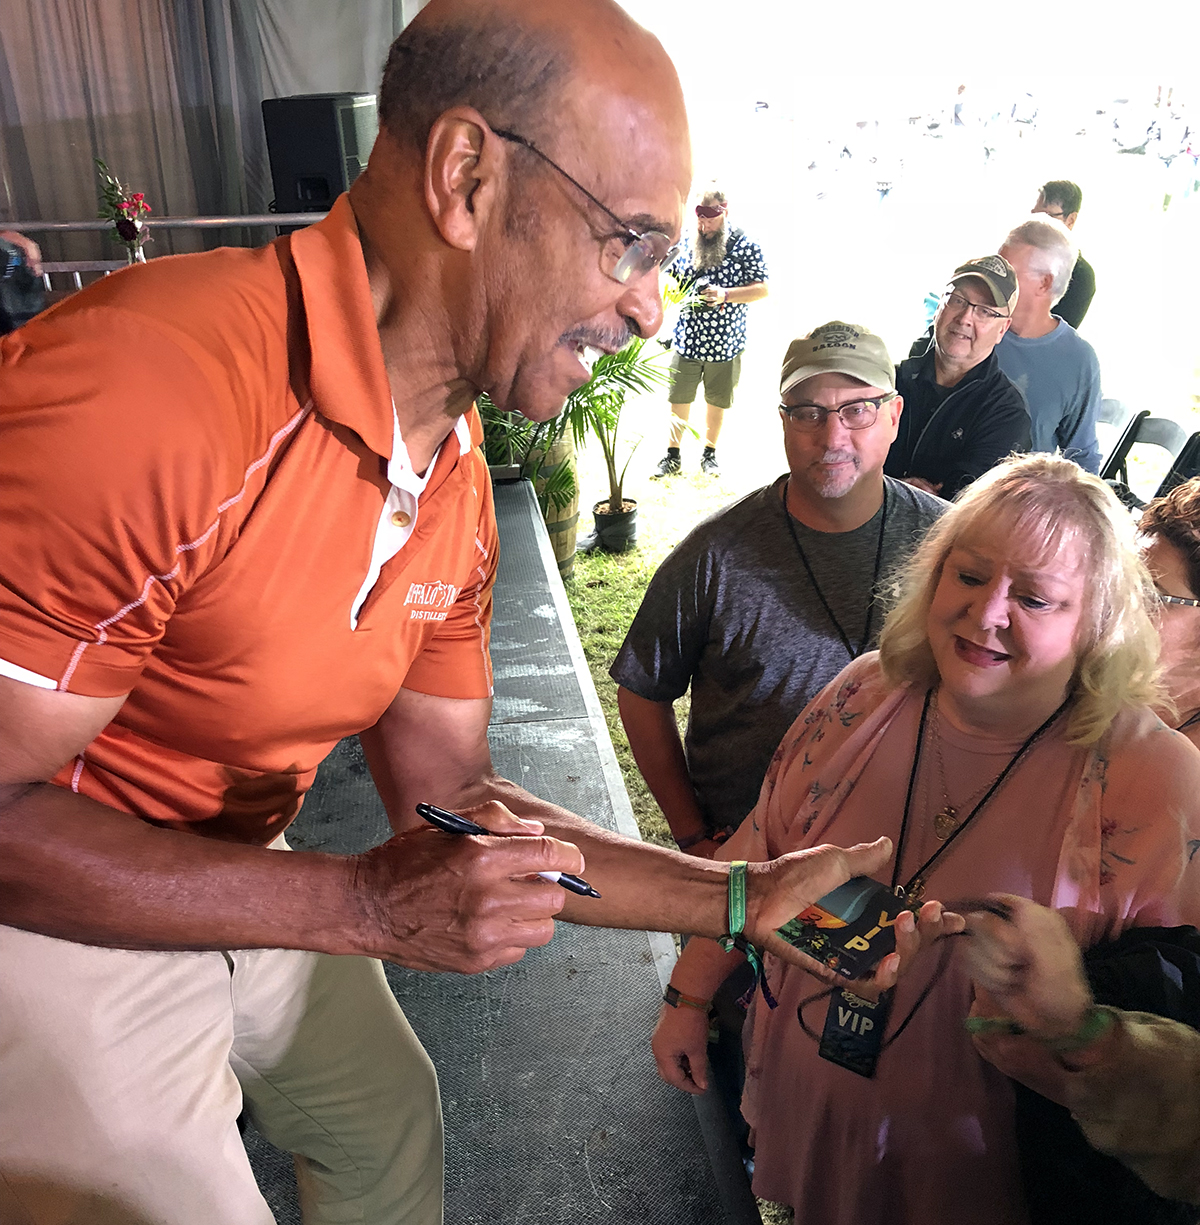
{"points": [[554, 1112]]}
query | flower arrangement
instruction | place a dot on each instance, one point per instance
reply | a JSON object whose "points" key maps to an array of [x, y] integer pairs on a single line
{"points": [[125, 209]]}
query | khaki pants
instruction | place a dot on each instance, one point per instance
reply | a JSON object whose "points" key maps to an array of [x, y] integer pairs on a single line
{"points": [[122, 1075]]}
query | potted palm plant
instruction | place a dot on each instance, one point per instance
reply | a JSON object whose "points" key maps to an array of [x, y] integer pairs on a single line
{"points": [[596, 409], [544, 453]]}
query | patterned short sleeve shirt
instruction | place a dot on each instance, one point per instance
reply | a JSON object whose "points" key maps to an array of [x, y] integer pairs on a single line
{"points": [[718, 333]]}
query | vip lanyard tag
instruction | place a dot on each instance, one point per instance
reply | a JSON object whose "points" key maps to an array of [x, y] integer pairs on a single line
{"points": [[854, 1028]]}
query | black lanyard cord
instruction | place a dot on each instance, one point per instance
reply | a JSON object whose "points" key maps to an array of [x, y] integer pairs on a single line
{"points": [[812, 578], [919, 874]]}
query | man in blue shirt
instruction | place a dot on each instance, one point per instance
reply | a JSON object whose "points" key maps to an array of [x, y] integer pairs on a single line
{"points": [[1054, 367], [726, 270]]}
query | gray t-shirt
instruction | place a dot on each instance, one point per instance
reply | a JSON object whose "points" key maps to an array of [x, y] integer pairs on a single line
{"points": [[1059, 376], [733, 613]]}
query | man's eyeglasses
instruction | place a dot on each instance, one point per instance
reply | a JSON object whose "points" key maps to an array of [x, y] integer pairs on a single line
{"points": [[956, 302], [1183, 602], [624, 256], [855, 415]]}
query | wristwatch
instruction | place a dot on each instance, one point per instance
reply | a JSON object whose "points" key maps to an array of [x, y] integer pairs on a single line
{"points": [[673, 997]]}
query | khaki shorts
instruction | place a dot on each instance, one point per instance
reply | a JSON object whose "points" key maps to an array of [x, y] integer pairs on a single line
{"points": [[719, 378]]}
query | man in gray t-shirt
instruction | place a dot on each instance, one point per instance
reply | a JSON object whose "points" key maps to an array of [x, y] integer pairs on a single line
{"points": [[765, 602]]}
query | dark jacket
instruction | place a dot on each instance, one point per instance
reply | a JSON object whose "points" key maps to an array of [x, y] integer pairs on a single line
{"points": [[982, 420], [1073, 305]]}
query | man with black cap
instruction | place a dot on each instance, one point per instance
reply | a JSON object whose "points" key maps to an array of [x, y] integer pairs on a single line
{"points": [[764, 603], [962, 414]]}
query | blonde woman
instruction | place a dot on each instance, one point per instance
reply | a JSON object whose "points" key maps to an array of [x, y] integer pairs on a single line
{"points": [[1003, 738]]}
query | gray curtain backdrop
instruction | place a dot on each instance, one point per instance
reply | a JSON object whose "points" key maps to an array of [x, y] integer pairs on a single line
{"points": [[168, 93]]}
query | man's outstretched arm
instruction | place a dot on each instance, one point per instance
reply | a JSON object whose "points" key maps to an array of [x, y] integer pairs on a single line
{"points": [[435, 749]]}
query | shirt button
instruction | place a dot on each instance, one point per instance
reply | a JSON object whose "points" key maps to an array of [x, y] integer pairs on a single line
{"points": [[401, 518]]}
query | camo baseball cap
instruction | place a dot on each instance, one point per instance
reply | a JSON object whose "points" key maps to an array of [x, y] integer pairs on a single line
{"points": [[838, 348], [996, 273]]}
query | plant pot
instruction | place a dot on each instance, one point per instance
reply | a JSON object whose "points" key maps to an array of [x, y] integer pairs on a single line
{"points": [[562, 522], [615, 532]]}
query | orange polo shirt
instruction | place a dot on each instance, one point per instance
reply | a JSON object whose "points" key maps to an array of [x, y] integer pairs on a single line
{"points": [[195, 477]]}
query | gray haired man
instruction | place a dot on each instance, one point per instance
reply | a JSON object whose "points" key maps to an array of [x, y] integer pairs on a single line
{"points": [[1055, 368]]}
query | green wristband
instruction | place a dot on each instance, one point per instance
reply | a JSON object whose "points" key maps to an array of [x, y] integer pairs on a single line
{"points": [[737, 897], [1096, 1023]]}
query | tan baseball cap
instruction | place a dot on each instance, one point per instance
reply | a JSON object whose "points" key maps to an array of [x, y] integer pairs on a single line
{"points": [[996, 273], [838, 348]]}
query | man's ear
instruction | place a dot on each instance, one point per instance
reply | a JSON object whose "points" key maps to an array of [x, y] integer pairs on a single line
{"points": [[463, 172], [1070, 219], [897, 407]]}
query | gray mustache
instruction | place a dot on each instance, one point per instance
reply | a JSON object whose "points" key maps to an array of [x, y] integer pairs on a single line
{"points": [[608, 340]]}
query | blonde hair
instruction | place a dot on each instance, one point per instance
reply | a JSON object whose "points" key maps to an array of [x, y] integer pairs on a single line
{"points": [[1042, 497]]}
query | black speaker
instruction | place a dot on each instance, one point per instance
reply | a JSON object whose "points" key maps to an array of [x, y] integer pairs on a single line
{"points": [[318, 145]]}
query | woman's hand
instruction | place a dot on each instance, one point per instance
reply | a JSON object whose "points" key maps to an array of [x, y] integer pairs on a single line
{"points": [[680, 1046], [914, 934]]}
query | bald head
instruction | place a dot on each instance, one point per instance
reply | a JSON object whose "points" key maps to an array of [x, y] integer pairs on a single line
{"points": [[520, 139], [518, 61]]}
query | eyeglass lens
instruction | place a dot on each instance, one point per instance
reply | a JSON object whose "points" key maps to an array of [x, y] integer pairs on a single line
{"points": [[623, 262], [958, 302], [857, 415]]}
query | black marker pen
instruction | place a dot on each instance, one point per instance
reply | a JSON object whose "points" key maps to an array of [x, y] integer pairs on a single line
{"points": [[452, 823]]}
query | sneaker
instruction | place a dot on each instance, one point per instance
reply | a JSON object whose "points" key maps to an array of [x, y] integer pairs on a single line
{"points": [[709, 465], [669, 465]]}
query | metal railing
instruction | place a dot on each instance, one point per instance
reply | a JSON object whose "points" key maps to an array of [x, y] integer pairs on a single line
{"points": [[168, 223], [76, 268]]}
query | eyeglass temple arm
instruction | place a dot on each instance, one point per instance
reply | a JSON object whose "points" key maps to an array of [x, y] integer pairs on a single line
{"points": [[528, 144]]}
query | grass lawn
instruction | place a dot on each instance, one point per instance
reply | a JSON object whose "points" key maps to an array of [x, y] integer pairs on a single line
{"points": [[607, 588]]}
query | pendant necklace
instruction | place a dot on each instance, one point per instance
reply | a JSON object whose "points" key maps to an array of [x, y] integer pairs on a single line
{"points": [[914, 890], [945, 821], [812, 578]]}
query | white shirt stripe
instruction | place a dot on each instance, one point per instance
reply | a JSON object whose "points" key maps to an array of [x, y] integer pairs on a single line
{"points": [[17, 673]]}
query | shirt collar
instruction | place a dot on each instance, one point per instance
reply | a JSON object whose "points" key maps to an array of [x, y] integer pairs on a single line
{"points": [[347, 377]]}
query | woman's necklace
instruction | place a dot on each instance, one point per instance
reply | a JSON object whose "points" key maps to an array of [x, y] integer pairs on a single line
{"points": [[1191, 721], [945, 821], [914, 890], [812, 578]]}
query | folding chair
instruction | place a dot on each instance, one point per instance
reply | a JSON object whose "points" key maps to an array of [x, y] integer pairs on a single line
{"points": [[1113, 417], [1185, 466], [1143, 430]]}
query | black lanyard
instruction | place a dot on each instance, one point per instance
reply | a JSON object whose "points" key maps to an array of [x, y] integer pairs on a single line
{"points": [[1189, 722], [812, 578], [916, 883]]}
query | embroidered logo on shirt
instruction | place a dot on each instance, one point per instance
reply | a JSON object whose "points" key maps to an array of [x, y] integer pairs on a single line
{"points": [[431, 600]]}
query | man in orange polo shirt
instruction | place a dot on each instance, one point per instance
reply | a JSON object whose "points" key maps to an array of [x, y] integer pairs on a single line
{"points": [[245, 516]]}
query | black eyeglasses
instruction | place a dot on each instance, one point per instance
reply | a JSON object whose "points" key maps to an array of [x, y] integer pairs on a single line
{"points": [[957, 302], [855, 415], [1183, 602], [623, 256]]}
